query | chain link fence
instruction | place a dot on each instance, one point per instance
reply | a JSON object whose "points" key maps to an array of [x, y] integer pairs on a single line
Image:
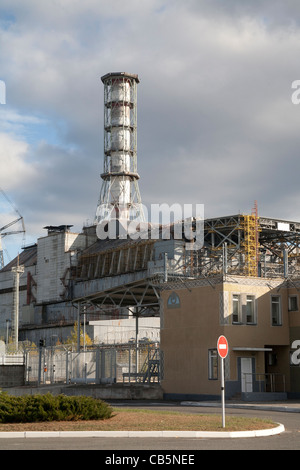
{"points": [[105, 364]]}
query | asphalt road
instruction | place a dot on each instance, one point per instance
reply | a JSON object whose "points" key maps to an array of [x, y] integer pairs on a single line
{"points": [[149, 448]]}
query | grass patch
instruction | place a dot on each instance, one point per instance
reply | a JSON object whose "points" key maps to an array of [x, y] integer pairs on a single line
{"points": [[122, 419], [145, 420]]}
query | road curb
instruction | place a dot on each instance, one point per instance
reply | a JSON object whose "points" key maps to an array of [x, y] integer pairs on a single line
{"points": [[160, 434], [260, 407]]}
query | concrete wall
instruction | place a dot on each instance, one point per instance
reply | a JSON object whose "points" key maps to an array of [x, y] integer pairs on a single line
{"points": [[47, 266], [105, 331], [124, 330], [6, 298], [54, 258], [12, 375], [104, 392], [188, 330]]}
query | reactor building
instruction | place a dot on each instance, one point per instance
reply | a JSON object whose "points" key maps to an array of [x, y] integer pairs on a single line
{"points": [[242, 282]]}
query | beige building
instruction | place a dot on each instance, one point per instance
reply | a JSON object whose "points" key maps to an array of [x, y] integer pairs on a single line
{"points": [[260, 318]]}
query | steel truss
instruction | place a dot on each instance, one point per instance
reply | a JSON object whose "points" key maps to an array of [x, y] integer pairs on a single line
{"points": [[139, 298], [240, 245], [249, 245]]}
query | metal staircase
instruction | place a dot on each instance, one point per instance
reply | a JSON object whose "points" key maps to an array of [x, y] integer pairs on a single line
{"points": [[150, 368]]}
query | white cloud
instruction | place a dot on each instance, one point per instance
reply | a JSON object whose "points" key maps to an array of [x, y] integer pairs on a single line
{"points": [[15, 170]]}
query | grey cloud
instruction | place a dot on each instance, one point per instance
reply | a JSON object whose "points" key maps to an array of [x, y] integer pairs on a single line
{"points": [[215, 121]]}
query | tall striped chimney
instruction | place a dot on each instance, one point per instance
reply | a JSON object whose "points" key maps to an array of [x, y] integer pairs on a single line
{"points": [[120, 197]]}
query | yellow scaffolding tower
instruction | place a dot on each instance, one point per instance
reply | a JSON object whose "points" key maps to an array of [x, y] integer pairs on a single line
{"points": [[251, 244]]}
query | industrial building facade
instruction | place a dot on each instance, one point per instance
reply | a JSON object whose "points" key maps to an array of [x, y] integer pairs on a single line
{"points": [[52, 269], [174, 298]]}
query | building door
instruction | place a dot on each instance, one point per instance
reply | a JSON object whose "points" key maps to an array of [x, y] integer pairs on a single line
{"points": [[246, 374]]}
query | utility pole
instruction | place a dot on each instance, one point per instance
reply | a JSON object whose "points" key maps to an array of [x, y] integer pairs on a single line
{"points": [[17, 271]]}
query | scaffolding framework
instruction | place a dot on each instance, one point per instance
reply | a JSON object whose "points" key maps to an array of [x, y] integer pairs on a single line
{"points": [[251, 244]]}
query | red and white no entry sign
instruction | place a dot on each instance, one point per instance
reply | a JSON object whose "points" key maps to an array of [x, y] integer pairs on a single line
{"points": [[222, 346]]}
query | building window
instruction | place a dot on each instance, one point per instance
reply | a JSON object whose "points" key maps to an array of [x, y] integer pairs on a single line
{"points": [[276, 310], [173, 301], [236, 308], [250, 309], [212, 364], [243, 309], [293, 303]]}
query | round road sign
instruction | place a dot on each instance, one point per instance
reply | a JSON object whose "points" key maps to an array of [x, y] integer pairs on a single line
{"points": [[222, 346]]}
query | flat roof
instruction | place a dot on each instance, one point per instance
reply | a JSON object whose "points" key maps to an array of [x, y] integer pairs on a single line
{"points": [[121, 74], [253, 349], [265, 223]]}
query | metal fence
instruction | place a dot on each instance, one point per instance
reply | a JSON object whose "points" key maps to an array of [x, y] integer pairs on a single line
{"points": [[124, 363]]}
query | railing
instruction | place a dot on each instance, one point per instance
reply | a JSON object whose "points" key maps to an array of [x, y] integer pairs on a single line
{"points": [[267, 383]]}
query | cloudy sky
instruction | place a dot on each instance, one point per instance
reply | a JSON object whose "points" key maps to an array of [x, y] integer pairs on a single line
{"points": [[216, 123]]}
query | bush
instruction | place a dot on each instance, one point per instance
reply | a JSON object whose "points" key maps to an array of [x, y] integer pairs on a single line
{"points": [[36, 408]]}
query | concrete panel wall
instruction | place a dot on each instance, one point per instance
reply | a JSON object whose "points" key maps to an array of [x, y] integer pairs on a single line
{"points": [[12, 375], [123, 330]]}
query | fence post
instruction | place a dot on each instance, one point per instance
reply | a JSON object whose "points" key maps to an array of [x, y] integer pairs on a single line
{"points": [[129, 363], [85, 370], [78, 325], [97, 366], [103, 353], [148, 354], [40, 365], [67, 367]]}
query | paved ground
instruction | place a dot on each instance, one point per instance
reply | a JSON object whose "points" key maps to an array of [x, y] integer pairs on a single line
{"points": [[289, 406], [292, 406]]}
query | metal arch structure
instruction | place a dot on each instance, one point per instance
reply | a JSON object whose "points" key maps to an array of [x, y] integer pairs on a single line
{"points": [[114, 274], [140, 296]]}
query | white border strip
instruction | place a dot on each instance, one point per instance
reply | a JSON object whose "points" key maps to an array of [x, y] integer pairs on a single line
{"points": [[186, 434]]}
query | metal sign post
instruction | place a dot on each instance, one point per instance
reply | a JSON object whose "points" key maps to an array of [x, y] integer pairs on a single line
{"points": [[223, 392], [222, 346]]}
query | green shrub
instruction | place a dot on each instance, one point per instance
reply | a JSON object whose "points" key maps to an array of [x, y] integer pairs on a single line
{"points": [[36, 408]]}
